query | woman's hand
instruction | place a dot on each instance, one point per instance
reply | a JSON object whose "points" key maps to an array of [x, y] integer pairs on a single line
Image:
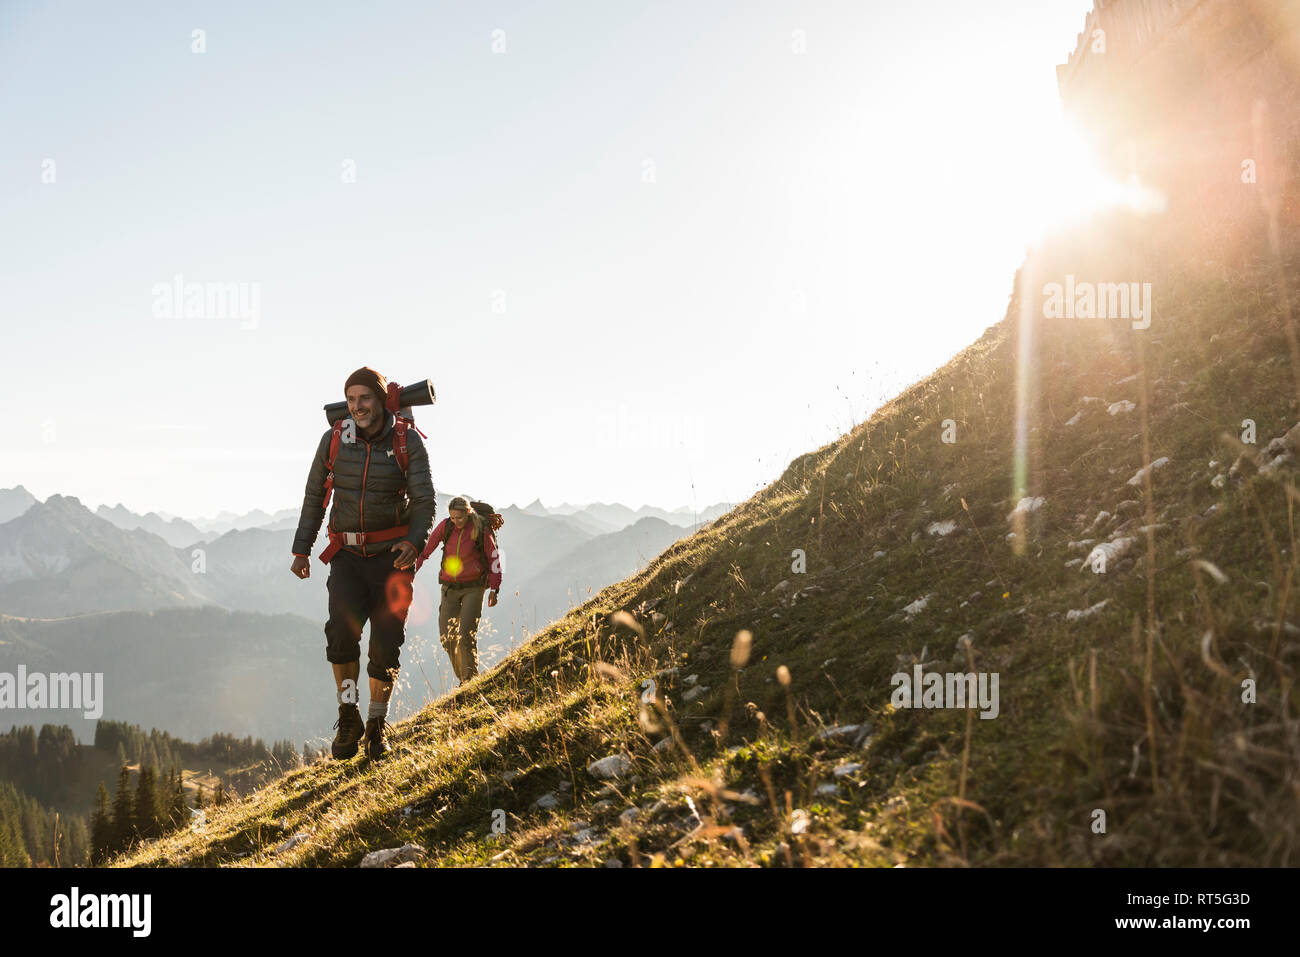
{"points": [[492, 599], [301, 566]]}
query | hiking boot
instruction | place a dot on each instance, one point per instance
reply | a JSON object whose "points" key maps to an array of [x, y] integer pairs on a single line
{"points": [[374, 739], [350, 731]]}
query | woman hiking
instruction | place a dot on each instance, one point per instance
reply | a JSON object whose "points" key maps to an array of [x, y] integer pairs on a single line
{"points": [[471, 564]]}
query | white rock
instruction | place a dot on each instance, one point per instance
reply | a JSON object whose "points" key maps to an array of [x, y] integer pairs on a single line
{"points": [[879, 555], [695, 693], [629, 815], [293, 842], [613, 766], [799, 821], [1074, 419], [1123, 405], [839, 731], [1107, 553], [917, 606], [394, 855], [826, 790], [1219, 481], [941, 528], [1073, 615], [1142, 472], [547, 801], [1275, 465], [1027, 504], [846, 769]]}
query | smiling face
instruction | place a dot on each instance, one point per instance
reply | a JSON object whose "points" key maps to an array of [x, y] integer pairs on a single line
{"points": [[458, 516], [364, 407]]}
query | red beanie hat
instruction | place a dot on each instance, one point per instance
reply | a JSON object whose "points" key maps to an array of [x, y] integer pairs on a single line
{"points": [[372, 380]]}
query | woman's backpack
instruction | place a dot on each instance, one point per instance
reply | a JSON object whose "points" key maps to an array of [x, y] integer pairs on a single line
{"points": [[492, 521]]}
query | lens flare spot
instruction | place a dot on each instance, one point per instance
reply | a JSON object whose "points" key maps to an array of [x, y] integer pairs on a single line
{"points": [[452, 565], [397, 591]]}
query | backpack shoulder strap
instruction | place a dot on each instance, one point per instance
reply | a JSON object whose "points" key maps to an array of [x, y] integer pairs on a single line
{"points": [[399, 442], [335, 439]]}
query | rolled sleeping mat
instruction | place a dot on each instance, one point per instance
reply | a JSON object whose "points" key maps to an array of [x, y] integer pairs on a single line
{"points": [[419, 393]]}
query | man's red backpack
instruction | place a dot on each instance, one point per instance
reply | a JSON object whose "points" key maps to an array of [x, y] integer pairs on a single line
{"points": [[402, 420]]}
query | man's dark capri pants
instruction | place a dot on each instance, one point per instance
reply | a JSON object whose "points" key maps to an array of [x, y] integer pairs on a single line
{"points": [[367, 588]]}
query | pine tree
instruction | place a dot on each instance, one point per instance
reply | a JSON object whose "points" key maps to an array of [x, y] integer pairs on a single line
{"points": [[198, 797], [219, 796], [13, 853], [101, 827], [76, 851], [145, 817], [122, 823]]}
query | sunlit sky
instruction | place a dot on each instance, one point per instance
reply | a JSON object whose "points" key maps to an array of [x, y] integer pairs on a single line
{"points": [[647, 252]]}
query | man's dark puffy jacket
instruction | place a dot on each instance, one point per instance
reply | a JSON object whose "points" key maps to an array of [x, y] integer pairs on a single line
{"points": [[390, 498]]}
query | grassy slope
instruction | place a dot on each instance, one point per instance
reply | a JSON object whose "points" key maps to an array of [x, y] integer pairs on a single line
{"points": [[1082, 702]]}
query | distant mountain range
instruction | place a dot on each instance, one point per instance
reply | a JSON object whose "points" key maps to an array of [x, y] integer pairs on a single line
{"points": [[610, 518], [595, 519], [572, 578], [60, 560], [176, 532], [14, 501]]}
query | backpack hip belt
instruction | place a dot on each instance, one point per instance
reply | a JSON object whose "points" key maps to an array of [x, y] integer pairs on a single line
{"points": [[339, 539]]}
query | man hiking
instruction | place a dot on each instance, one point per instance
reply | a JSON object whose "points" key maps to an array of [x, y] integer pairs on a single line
{"points": [[471, 563], [378, 525]]}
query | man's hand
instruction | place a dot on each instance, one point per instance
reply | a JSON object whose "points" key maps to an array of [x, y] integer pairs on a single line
{"points": [[405, 555], [492, 599], [301, 566]]}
